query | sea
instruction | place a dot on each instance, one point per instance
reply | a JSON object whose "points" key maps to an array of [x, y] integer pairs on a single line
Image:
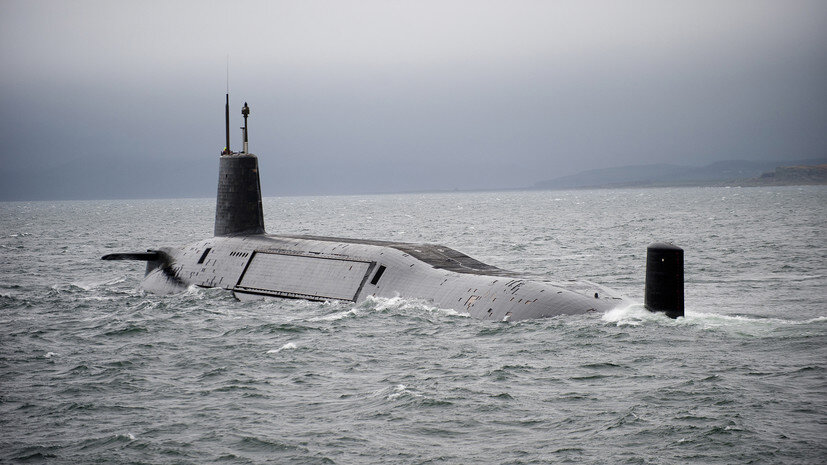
{"points": [[93, 369]]}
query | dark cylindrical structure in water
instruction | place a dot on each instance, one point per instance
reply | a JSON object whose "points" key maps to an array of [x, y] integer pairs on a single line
{"points": [[664, 279], [238, 203]]}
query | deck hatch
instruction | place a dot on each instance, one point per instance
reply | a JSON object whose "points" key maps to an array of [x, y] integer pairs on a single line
{"points": [[204, 255], [378, 275], [313, 277]]}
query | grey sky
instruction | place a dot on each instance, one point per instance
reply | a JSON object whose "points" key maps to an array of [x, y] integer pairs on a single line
{"points": [[119, 99]]}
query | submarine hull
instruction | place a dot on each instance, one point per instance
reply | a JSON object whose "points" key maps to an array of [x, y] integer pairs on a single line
{"points": [[322, 268]]}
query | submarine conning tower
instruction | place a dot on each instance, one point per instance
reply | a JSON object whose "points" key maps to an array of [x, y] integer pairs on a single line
{"points": [[238, 208]]}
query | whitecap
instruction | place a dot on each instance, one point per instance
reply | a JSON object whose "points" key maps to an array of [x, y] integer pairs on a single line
{"points": [[50, 355], [288, 346], [637, 314], [398, 391], [395, 392], [89, 285], [336, 316], [449, 312], [398, 304], [709, 320], [632, 315], [193, 289], [95, 298]]}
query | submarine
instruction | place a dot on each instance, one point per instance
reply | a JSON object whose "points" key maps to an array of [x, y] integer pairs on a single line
{"points": [[243, 259]]}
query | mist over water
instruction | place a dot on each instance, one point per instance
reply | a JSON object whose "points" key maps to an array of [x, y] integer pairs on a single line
{"points": [[93, 369]]}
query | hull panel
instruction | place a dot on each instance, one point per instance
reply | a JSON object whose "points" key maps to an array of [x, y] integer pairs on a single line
{"points": [[310, 277]]}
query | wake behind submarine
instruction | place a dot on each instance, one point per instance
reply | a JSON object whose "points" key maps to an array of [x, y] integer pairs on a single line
{"points": [[244, 259]]}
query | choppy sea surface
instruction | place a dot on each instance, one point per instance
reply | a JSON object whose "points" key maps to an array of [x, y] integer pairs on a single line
{"points": [[95, 370]]}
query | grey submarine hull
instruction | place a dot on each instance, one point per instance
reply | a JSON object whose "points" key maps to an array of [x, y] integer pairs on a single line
{"points": [[325, 268]]}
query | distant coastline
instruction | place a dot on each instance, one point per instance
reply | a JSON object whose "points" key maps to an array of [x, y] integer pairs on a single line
{"points": [[720, 174], [791, 176]]}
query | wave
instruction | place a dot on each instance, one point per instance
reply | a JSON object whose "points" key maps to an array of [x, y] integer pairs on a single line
{"points": [[88, 285], [399, 304], [393, 305], [395, 392], [288, 346], [637, 314], [336, 316], [633, 315], [745, 325]]}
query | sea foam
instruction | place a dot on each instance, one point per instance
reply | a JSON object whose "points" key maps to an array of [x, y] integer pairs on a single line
{"points": [[288, 346]]}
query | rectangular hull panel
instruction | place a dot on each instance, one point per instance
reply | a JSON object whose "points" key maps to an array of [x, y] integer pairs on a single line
{"points": [[317, 278]]}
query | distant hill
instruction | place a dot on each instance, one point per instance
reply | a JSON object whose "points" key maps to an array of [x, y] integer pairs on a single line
{"points": [[791, 175], [718, 173]]}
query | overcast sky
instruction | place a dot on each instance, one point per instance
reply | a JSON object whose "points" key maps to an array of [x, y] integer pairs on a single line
{"points": [[104, 99]]}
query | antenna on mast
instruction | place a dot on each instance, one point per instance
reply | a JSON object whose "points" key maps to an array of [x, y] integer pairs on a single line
{"points": [[227, 150]]}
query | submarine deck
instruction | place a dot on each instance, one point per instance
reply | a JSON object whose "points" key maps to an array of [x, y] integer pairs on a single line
{"points": [[438, 256]]}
